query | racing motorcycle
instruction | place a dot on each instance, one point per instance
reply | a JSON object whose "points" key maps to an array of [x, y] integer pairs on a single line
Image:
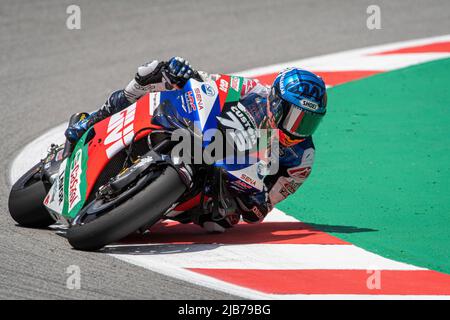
{"points": [[122, 176]]}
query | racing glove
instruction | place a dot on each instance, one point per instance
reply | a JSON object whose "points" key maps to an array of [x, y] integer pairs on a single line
{"points": [[158, 76], [178, 71]]}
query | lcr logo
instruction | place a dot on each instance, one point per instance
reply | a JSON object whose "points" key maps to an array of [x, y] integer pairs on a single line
{"points": [[120, 131]]}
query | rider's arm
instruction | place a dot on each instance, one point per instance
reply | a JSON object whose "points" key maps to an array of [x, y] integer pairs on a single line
{"points": [[158, 76], [148, 78], [151, 77]]}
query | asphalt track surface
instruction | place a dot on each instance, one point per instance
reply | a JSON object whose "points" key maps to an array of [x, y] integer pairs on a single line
{"points": [[47, 72]]}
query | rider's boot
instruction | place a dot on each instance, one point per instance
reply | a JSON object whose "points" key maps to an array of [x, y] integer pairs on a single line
{"points": [[81, 122], [73, 133]]}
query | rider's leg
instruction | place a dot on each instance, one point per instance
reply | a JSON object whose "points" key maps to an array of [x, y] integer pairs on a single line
{"points": [[116, 102]]}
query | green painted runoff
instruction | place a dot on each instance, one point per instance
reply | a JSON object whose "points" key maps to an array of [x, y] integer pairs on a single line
{"points": [[381, 179]]}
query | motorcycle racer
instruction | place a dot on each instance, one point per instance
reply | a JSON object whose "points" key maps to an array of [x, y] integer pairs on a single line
{"points": [[295, 103]]}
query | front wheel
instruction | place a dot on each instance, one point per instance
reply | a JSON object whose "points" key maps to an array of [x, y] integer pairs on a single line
{"points": [[26, 199], [145, 208]]}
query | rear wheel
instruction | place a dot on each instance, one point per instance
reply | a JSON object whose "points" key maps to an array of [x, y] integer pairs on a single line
{"points": [[26, 200], [145, 208]]}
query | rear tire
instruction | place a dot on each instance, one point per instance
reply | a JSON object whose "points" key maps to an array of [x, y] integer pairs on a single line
{"points": [[145, 208], [26, 199]]}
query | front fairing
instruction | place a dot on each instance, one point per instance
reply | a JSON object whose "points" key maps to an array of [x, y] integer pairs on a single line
{"points": [[195, 107], [198, 107], [205, 107]]}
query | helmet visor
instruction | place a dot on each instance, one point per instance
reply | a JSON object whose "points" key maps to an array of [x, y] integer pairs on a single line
{"points": [[301, 123]]}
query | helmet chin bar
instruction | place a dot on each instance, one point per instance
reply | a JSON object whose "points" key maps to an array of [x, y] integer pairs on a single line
{"points": [[287, 139]]}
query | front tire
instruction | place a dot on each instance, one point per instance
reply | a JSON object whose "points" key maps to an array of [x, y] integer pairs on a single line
{"points": [[26, 199], [145, 208]]}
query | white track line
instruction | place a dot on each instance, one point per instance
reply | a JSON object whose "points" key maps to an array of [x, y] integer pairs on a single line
{"points": [[174, 271], [347, 56], [183, 274], [277, 215], [260, 256]]}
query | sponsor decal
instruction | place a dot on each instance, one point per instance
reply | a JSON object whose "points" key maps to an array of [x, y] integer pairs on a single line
{"points": [[75, 180], [223, 85], [282, 89], [248, 86], [248, 179], [208, 90], [289, 186], [282, 189], [235, 83], [198, 97], [299, 173], [244, 134], [257, 212], [61, 188], [312, 89], [47, 200], [292, 186], [190, 103], [59, 155], [310, 105], [244, 116], [284, 193], [120, 131], [241, 185], [183, 104], [154, 98], [56, 196]]}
